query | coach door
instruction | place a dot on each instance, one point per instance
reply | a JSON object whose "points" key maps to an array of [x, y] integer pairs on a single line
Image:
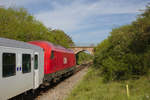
{"points": [[25, 69], [36, 70]]}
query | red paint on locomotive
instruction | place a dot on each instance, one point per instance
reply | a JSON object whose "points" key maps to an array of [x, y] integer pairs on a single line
{"points": [[63, 58]]}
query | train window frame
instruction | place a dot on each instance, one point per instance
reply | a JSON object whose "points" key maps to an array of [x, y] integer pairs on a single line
{"points": [[52, 55], [12, 71], [36, 64], [26, 69]]}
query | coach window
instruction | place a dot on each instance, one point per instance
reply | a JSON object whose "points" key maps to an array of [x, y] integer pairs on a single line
{"points": [[35, 61], [9, 64], [52, 54], [26, 63]]}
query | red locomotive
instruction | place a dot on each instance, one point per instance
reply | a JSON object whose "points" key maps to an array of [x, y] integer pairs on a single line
{"points": [[57, 60]]}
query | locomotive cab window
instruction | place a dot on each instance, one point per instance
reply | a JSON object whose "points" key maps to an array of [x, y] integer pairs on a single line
{"points": [[35, 61], [52, 55], [9, 64], [26, 63]]}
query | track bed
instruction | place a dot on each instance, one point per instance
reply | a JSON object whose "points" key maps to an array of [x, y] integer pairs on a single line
{"points": [[59, 90]]}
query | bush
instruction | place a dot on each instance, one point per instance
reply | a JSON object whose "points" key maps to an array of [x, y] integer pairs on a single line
{"points": [[126, 52], [18, 24]]}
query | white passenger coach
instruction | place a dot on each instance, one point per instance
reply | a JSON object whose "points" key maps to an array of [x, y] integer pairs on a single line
{"points": [[20, 67]]}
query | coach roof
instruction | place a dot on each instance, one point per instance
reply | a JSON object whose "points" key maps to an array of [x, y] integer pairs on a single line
{"points": [[17, 44]]}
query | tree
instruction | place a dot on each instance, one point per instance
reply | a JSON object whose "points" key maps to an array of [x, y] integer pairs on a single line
{"points": [[18, 24], [126, 52]]}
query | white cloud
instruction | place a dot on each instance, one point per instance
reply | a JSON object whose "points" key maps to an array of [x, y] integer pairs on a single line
{"points": [[91, 36], [70, 17], [17, 3]]}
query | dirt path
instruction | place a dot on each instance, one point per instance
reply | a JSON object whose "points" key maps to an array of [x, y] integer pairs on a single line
{"points": [[61, 91]]}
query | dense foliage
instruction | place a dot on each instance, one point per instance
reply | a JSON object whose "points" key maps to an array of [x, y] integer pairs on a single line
{"points": [[126, 52], [19, 25], [83, 57]]}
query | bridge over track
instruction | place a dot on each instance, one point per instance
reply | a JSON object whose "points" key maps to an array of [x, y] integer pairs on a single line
{"points": [[77, 49]]}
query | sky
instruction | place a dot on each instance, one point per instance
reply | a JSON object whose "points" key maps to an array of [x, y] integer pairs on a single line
{"points": [[86, 21]]}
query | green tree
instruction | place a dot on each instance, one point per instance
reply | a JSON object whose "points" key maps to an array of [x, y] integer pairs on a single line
{"points": [[125, 53], [18, 24]]}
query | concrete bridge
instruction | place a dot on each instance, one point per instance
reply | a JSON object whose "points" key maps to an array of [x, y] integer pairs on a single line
{"points": [[78, 49]]}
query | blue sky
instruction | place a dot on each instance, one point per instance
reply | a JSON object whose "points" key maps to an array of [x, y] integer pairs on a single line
{"points": [[86, 21]]}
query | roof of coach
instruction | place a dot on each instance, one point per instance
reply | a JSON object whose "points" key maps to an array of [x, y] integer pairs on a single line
{"points": [[17, 44], [53, 46]]}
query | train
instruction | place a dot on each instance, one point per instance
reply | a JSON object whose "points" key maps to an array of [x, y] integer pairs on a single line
{"points": [[27, 66]]}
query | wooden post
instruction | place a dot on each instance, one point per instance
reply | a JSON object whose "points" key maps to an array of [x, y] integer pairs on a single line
{"points": [[127, 90]]}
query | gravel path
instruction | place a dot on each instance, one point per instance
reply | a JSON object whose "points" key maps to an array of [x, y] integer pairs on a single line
{"points": [[61, 91]]}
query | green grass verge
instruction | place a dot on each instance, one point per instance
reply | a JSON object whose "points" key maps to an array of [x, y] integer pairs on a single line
{"points": [[92, 87]]}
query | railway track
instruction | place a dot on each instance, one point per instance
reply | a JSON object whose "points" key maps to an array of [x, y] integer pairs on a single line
{"points": [[40, 92]]}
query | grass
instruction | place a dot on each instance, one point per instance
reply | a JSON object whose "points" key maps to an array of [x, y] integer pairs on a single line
{"points": [[92, 87]]}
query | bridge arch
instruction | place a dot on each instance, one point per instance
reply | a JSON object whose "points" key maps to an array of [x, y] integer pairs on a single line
{"points": [[77, 49], [83, 51], [83, 56]]}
